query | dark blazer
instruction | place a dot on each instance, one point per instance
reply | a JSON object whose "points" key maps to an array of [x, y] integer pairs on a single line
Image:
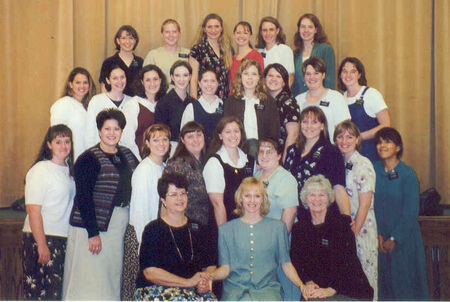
{"points": [[266, 115]]}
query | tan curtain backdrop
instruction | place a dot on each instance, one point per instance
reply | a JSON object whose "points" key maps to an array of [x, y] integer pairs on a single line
{"points": [[45, 39]]}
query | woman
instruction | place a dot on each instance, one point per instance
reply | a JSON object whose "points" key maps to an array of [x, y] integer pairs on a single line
{"points": [[70, 109], [277, 86], [126, 41], [360, 185], [188, 160], [227, 166], [144, 203], [251, 104], [366, 105], [113, 98], [314, 154], [169, 110], [212, 51], [402, 272], [99, 215], [165, 56], [330, 101], [140, 110], [209, 108], [323, 248], [311, 41], [175, 257], [242, 34], [253, 245], [271, 44], [281, 189], [49, 192]]}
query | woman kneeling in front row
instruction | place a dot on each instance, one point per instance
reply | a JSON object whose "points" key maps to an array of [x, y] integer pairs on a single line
{"points": [[175, 250]]}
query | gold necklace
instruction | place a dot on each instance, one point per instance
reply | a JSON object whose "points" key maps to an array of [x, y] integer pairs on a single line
{"points": [[176, 245]]}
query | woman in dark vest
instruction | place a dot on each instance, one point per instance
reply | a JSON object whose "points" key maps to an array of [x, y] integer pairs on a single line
{"points": [[209, 108], [100, 214], [366, 104]]}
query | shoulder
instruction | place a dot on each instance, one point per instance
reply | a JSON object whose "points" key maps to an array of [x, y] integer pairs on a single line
{"points": [[97, 100], [64, 101], [273, 223], [335, 95], [286, 176], [39, 169], [301, 98], [284, 48], [406, 169], [153, 228], [324, 47], [230, 225], [86, 158]]}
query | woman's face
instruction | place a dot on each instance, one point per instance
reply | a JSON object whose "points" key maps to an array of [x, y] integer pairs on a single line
{"points": [[350, 75], [250, 78], [170, 35], [60, 146], [307, 30], [181, 77], [231, 135], [194, 142], [387, 149], [313, 78], [208, 84], [213, 29], [242, 36], [176, 199], [274, 81], [268, 158], [79, 86], [110, 133], [126, 41], [151, 82], [346, 142], [311, 127], [269, 32], [317, 201], [117, 80], [158, 144], [252, 199]]}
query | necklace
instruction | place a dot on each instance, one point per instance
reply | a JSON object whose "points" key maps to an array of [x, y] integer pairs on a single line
{"points": [[176, 245]]}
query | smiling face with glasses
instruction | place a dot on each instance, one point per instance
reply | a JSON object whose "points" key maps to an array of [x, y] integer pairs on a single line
{"points": [[175, 200]]}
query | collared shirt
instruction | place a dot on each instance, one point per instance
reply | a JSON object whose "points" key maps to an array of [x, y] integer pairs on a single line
{"points": [[250, 120], [188, 114]]}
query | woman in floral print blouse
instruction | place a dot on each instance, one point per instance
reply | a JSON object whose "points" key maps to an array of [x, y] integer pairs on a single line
{"points": [[212, 51]]}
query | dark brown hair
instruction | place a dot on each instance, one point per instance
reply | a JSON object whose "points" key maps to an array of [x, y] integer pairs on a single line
{"points": [[281, 37], [319, 36]]}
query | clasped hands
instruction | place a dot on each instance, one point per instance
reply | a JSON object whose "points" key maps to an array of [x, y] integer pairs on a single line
{"points": [[313, 291], [202, 281], [385, 246]]}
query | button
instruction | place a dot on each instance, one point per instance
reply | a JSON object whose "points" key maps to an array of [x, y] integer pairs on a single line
{"points": [[251, 273], [251, 226], [252, 242], [251, 257], [252, 249], [252, 265], [251, 234]]}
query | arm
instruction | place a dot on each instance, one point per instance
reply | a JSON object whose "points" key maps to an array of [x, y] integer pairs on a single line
{"points": [[342, 199], [384, 120], [293, 130], [219, 208], [221, 273], [365, 198], [188, 115], [213, 175], [288, 217], [291, 274], [59, 113], [91, 135], [37, 228], [163, 277], [194, 78]]}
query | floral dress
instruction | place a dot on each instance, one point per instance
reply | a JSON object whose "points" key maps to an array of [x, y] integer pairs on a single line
{"points": [[207, 58], [289, 112], [360, 178]]}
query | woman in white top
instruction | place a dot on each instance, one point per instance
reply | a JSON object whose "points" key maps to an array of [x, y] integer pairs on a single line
{"points": [[330, 101], [360, 186], [70, 109], [366, 105], [271, 44], [49, 192], [144, 203], [209, 108], [171, 51], [114, 97], [140, 110]]}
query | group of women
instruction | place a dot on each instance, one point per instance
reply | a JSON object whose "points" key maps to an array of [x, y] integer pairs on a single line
{"points": [[143, 193]]}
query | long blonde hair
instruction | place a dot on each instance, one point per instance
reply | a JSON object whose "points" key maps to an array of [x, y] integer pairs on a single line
{"points": [[224, 41]]}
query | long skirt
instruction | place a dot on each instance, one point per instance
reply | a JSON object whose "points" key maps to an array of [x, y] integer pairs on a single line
{"points": [[43, 281], [163, 293], [95, 277], [130, 265]]}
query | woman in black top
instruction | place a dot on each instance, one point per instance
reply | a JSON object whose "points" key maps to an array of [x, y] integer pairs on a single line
{"points": [[100, 214], [176, 257]]}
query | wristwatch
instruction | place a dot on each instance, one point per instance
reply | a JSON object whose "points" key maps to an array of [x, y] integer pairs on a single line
{"points": [[392, 238]]}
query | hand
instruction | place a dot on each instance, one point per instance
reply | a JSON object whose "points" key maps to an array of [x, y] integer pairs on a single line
{"points": [[95, 245], [44, 254], [324, 293], [380, 244], [353, 227], [205, 283], [309, 289], [389, 245], [194, 280]]}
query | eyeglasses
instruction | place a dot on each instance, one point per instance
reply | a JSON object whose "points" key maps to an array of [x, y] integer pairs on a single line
{"points": [[175, 194]]}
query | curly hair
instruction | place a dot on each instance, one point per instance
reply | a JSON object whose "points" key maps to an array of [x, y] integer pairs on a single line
{"points": [[139, 86], [317, 182], [319, 36], [238, 87]]}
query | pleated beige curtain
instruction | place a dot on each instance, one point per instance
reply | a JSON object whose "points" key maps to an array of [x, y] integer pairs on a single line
{"points": [[45, 39]]}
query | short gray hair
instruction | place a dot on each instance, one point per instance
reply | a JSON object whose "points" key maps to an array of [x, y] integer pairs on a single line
{"points": [[317, 182]]}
